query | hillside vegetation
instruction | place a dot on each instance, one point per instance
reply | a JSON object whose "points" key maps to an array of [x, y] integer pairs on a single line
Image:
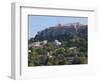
{"points": [[59, 45]]}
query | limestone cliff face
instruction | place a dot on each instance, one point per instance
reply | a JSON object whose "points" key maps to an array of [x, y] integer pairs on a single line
{"points": [[62, 32]]}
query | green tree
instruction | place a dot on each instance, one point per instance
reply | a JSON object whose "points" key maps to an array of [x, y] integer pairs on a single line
{"points": [[49, 47]]}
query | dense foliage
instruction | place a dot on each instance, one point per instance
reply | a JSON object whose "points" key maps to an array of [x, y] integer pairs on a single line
{"points": [[73, 48]]}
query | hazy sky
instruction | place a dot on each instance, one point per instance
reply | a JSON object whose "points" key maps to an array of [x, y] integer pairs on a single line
{"points": [[38, 23]]}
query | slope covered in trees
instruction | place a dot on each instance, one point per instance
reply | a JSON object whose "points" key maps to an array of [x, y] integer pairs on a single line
{"points": [[70, 49]]}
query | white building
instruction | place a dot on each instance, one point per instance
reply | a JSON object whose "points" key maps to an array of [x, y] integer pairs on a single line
{"points": [[45, 42], [71, 48], [57, 42], [38, 44], [29, 51]]}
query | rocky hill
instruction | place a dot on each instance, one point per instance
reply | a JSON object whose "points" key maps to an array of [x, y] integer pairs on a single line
{"points": [[62, 32]]}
